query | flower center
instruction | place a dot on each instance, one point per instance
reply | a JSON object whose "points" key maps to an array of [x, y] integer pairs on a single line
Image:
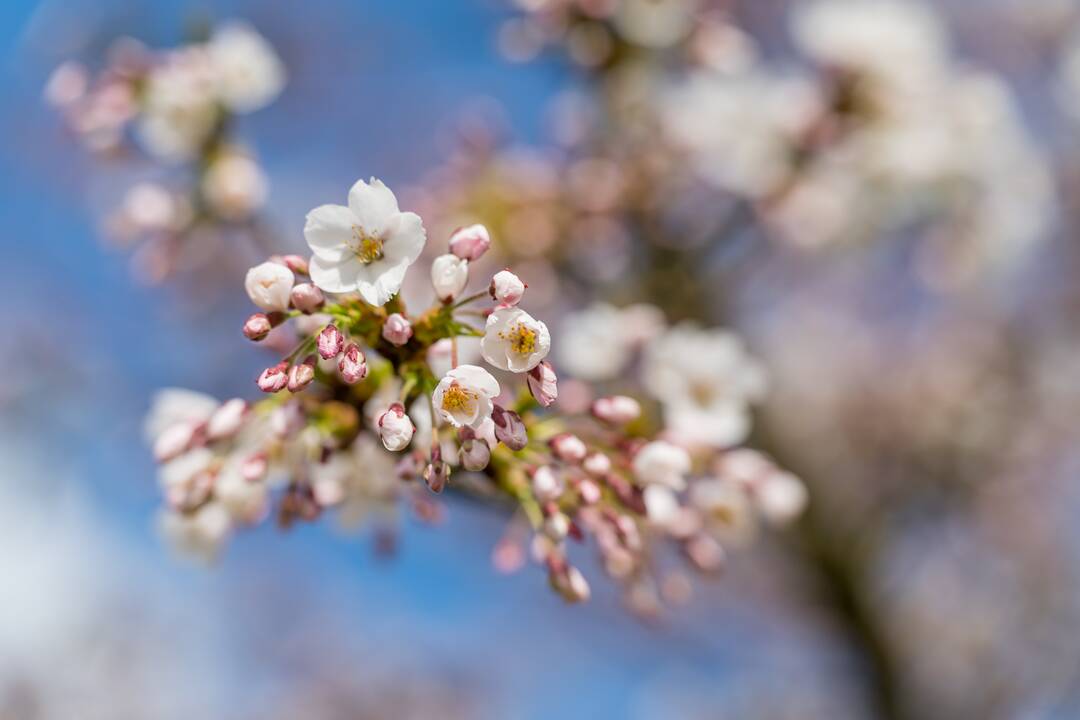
{"points": [[703, 393], [457, 398], [522, 339], [368, 248]]}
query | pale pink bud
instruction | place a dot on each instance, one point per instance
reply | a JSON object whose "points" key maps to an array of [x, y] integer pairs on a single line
{"points": [[330, 342], [295, 263], [274, 378], [616, 409], [506, 288], [568, 447], [307, 298], [397, 329], [437, 472], [257, 327], [475, 454], [557, 526], [598, 464], [395, 428], [705, 552], [469, 243], [353, 364], [569, 583], [589, 492], [254, 468], [509, 428], [546, 485], [269, 285], [227, 419], [301, 374], [175, 440], [449, 275], [543, 384]]}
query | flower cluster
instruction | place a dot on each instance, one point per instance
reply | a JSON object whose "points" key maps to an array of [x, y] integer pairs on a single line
{"points": [[367, 408], [176, 107]]}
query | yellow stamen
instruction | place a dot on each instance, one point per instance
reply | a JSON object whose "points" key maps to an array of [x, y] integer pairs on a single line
{"points": [[368, 247], [522, 339], [457, 398]]}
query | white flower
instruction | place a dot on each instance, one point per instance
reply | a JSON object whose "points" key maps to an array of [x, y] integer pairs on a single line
{"points": [[661, 504], [246, 501], [449, 275], [705, 380], [234, 186], [725, 505], [174, 414], [514, 340], [781, 497], [247, 72], [464, 396], [662, 463], [179, 105], [199, 535], [365, 247], [269, 286], [593, 344]]}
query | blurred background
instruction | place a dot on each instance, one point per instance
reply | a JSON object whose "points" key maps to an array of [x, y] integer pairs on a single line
{"points": [[883, 203]]}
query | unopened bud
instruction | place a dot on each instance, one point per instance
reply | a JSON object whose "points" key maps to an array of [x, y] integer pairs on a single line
{"points": [[557, 526], [589, 492], [397, 330], [546, 485], [509, 428], [301, 374], [307, 298], [475, 454], [330, 342], [569, 583], [437, 472], [274, 378], [353, 364], [449, 275], [175, 440], [543, 384], [227, 419], [469, 243], [705, 552], [295, 263], [568, 447], [254, 468], [257, 327], [506, 288], [616, 409], [598, 464], [395, 428]]}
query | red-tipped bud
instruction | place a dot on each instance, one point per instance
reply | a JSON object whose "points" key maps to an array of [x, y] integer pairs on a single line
{"points": [[589, 492], [469, 243], [307, 298], [295, 263], [274, 378], [330, 342], [175, 440], [301, 374], [509, 428], [395, 428], [257, 327], [227, 419], [353, 364], [598, 465], [397, 330], [543, 384], [569, 582], [506, 288], [616, 409], [568, 447]]}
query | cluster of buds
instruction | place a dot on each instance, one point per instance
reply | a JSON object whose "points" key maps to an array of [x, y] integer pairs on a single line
{"points": [[174, 106], [365, 378]]}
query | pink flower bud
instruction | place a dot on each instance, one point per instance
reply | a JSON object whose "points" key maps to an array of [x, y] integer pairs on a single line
{"points": [[227, 419], [509, 428], [437, 472], [546, 485], [254, 468], [307, 298], [616, 409], [395, 428], [353, 364], [301, 374], [449, 276], [397, 329], [507, 288], [569, 583], [475, 454], [330, 342], [568, 447], [295, 263], [589, 492], [543, 384], [257, 327], [598, 465], [175, 440], [274, 378], [557, 526], [469, 243]]}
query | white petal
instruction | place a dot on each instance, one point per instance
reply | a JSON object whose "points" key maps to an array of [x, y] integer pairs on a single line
{"points": [[377, 282], [373, 204], [335, 277], [477, 378], [328, 229], [403, 238]]}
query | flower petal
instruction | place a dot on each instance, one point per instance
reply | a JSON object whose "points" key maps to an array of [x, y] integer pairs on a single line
{"points": [[377, 282], [403, 238], [336, 277], [328, 229], [373, 204], [475, 377]]}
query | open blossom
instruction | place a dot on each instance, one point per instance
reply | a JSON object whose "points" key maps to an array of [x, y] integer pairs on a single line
{"points": [[449, 275], [514, 340], [395, 428], [179, 105], [234, 185], [705, 380], [269, 286], [470, 243], [397, 329], [506, 288], [174, 415], [248, 74], [365, 247], [616, 409], [227, 419], [464, 397], [662, 463], [593, 344]]}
